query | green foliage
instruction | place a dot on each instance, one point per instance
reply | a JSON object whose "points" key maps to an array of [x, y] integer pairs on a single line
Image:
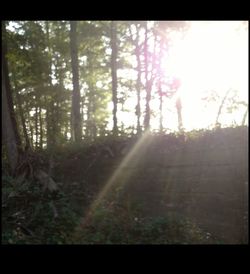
{"points": [[41, 73], [114, 224], [81, 172], [28, 214]]}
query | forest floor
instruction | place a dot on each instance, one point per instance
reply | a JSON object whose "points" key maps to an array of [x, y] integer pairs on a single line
{"points": [[157, 189]]}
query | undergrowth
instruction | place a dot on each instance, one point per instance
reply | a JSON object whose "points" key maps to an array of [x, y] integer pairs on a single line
{"points": [[115, 225], [30, 216]]}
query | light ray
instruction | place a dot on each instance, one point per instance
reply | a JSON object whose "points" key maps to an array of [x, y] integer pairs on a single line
{"points": [[118, 178]]}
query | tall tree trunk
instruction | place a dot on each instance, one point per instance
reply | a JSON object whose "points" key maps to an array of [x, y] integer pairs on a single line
{"points": [[49, 134], [36, 126], [25, 133], [66, 131], [147, 114], [149, 80], [76, 117], [138, 81], [179, 113], [88, 117], [244, 117], [41, 127], [161, 104], [93, 119], [160, 83], [30, 127], [21, 114], [49, 102], [161, 116], [10, 133], [8, 127], [91, 105], [91, 113], [114, 74], [83, 111], [57, 98], [220, 108]]}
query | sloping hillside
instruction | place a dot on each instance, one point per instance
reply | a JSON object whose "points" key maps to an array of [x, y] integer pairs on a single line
{"points": [[203, 177]]}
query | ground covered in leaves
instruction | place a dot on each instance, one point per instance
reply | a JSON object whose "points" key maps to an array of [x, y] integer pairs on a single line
{"points": [[156, 189]]}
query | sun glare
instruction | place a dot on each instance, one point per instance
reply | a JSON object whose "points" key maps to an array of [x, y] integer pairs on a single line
{"points": [[209, 56]]}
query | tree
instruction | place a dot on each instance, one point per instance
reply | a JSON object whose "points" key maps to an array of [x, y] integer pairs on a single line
{"points": [[244, 117], [147, 114], [9, 127], [114, 73], [162, 29], [179, 113], [150, 69], [21, 113], [48, 101], [221, 106], [160, 80], [138, 81], [137, 51], [76, 117], [11, 137]]}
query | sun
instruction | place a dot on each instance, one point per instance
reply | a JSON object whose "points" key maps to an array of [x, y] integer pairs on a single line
{"points": [[209, 56], [212, 55]]}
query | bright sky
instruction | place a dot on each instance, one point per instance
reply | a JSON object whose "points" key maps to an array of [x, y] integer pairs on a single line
{"points": [[212, 55]]}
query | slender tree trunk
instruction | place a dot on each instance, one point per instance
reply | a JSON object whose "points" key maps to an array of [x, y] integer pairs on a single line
{"points": [[147, 114], [30, 127], [160, 83], [149, 80], [10, 133], [8, 130], [138, 82], [220, 108], [114, 74], [21, 114], [76, 118], [48, 123], [94, 129], [244, 117], [88, 120], [66, 131], [161, 103], [41, 127], [57, 101], [83, 113], [179, 113], [161, 116], [36, 126], [26, 136], [48, 101]]}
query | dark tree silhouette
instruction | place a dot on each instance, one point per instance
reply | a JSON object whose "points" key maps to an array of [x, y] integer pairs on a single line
{"points": [[76, 117], [114, 73]]}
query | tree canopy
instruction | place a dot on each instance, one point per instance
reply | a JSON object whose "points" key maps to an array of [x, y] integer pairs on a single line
{"points": [[118, 70]]}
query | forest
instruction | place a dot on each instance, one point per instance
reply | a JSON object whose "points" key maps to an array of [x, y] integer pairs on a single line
{"points": [[124, 132]]}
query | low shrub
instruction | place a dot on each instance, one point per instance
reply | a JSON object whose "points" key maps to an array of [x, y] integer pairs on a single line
{"points": [[30, 216]]}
